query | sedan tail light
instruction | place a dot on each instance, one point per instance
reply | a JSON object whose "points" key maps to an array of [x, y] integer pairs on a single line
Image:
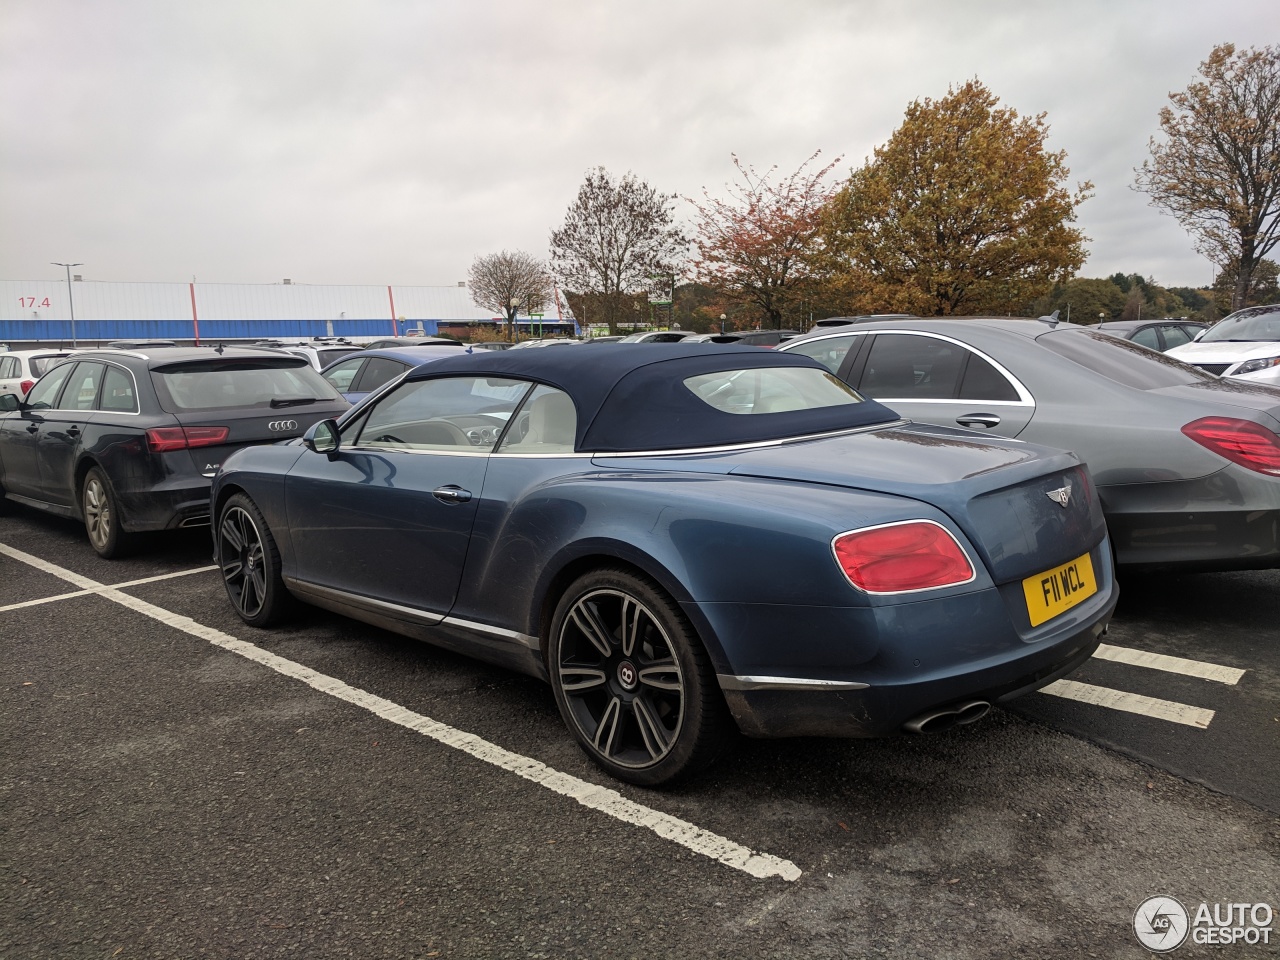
{"points": [[1241, 441], [902, 557], [25, 386], [167, 439]]}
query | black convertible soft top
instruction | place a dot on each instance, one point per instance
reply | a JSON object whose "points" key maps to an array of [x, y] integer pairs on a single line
{"points": [[632, 397]]}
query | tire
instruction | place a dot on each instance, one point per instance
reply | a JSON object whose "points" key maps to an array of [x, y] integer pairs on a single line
{"points": [[247, 554], [633, 682], [101, 511]]}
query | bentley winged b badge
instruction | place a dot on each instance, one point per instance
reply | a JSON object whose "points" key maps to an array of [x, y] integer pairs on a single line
{"points": [[1061, 496]]}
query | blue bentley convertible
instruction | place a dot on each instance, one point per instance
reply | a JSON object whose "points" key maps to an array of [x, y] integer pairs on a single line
{"points": [[681, 540]]}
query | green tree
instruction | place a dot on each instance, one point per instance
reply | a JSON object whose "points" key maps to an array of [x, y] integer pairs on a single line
{"points": [[1263, 287], [1218, 170], [963, 210], [1083, 299]]}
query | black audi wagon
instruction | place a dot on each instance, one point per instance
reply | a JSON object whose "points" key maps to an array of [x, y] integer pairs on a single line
{"points": [[129, 440]]}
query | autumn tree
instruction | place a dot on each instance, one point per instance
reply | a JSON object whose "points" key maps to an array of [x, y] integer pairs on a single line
{"points": [[509, 282], [758, 246], [963, 210], [1264, 285], [616, 237], [1218, 170]]}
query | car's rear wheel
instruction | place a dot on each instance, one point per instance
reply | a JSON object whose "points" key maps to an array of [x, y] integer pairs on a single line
{"points": [[632, 680], [102, 517], [250, 563]]}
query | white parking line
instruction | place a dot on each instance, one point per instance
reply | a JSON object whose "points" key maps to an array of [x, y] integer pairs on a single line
{"points": [[114, 586], [590, 795], [1158, 661], [1130, 703]]}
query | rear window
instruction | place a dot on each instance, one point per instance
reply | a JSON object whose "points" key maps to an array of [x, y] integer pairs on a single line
{"points": [[240, 385], [329, 355], [1122, 360], [771, 390], [40, 364]]}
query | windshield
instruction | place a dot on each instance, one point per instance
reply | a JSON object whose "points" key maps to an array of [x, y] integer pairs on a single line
{"points": [[1122, 360], [1250, 324]]}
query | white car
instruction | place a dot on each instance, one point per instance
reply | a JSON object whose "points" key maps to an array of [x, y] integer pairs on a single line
{"points": [[20, 369], [1244, 345]]}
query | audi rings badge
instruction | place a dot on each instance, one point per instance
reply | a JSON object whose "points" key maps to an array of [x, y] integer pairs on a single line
{"points": [[279, 426]]}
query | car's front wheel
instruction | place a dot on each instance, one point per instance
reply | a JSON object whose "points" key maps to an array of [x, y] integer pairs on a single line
{"points": [[250, 563], [632, 680], [102, 517]]}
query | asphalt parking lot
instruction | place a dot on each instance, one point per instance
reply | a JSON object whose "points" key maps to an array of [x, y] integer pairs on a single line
{"points": [[177, 784]]}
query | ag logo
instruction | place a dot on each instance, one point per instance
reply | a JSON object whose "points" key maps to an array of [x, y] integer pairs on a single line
{"points": [[1161, 924]]}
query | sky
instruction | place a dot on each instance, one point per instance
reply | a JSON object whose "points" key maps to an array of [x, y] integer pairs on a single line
{"points": [[394, 141]]}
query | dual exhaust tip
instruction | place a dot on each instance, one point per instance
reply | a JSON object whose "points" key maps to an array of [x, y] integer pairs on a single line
{"points": [[944, 718]]}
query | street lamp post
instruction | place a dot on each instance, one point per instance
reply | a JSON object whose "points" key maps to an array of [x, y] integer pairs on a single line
{"points": [[722, 320], [71, 301]]}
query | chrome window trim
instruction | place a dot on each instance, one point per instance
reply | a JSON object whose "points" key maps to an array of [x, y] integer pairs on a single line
{"points": [[1025, 398], [973, 567], [137, 399], [755, 445], [735, 682], [444, 451]]}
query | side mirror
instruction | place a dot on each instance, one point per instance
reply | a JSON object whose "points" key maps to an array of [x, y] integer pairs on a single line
{"points": [[9, 402], [322, 437]]}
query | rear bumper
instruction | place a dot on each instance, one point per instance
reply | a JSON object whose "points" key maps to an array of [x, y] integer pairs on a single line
{"points": [[182, 503], [883, 710]]}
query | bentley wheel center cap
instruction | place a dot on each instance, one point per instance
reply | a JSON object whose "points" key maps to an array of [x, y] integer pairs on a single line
{"points": [[627, 675]]}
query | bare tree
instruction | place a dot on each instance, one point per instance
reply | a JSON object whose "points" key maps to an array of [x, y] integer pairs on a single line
{"points": [[1219, 170], [508, 283], [617, 235]]}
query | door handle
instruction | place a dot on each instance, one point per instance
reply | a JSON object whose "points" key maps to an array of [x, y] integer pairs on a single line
{"points": [[987, 420], [33, 428], [73, 431], [451, 494]]}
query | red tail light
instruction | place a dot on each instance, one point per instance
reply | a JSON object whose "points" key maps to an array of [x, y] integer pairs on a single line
{"points": [[25, 386], [167, 439], [901, 557], [1241, 441]]}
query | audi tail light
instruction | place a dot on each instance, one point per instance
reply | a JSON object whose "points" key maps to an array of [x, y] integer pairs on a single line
{"points": [[902, 557], [1249, 444], [168, 439], [25, 386]]}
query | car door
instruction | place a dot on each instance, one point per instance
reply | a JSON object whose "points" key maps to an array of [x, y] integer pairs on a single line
{"points": [[931, 378], [388, 516], [62, 431], [20, 434]]}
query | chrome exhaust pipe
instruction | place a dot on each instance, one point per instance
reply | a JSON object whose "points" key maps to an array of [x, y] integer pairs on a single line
{"points": [[944, 718]]}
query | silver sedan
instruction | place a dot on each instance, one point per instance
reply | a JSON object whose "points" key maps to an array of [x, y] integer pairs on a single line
{"points": [[1187, 465]]}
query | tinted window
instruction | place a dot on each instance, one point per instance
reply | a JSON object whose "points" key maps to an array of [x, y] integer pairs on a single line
{"points": [[341, 375], [912, 367], [436, 414], [771, 390], [982, 381], [829, 351], [548, 423], [330, 354], [377, 371], [1122, 361], [1176, 336], [45, 393], [40, 364], [238, 384], [117, 392], [1147, 337], [82, 387]]}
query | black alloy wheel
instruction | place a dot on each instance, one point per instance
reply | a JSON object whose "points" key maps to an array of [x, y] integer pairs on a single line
{"points": [[102, 517], [250, 563], [633, 682]]}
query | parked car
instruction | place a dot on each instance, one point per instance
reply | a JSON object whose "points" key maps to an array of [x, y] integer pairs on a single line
{"points": [[1187, 465], [319, 351], [599, 340], [547, 342], [20, 369], [1159, 335], [390, 342], [1244, 345], [746, 338], [761, 548], [359, 374], [862, 318], [656, 336], [492, 345], [128, 441]]}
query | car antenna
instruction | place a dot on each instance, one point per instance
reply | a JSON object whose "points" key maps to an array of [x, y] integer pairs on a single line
{"points": [[218, 349], [1051, 319]]}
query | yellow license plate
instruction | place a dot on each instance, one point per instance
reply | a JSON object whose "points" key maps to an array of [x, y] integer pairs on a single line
{"points": [[1057, 591]]}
